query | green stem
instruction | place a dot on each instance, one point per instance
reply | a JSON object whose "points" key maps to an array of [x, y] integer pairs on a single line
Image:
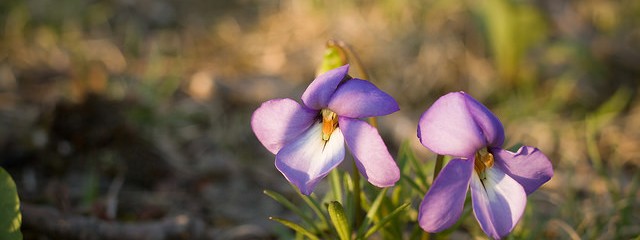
{"points": [[439, 162], [357, 210]]}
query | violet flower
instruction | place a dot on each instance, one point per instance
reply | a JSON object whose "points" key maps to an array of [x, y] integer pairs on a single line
{"points": [[308, 139], [500, 180]]}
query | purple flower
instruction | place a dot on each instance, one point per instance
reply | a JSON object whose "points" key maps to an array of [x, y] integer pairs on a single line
{"points": [[308, 139], [500, 180]]}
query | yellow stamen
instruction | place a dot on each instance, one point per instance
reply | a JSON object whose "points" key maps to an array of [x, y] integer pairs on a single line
{"points": [[329, 123], [482, 161]]}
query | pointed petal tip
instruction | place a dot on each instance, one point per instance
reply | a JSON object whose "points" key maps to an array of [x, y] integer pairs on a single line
{"points": [[319, 91]]}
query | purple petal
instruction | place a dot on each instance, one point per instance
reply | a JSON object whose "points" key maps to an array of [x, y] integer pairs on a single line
{"points": [[529, 166], [487, 121], [358, 98], [370, 153], [278, 121], [443, 203], [498, 202], [308, 158], [319, 92], [449, 128]]}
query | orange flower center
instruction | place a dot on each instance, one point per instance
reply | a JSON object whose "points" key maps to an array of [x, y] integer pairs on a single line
{"points": [[329, 123], [482, 161]]}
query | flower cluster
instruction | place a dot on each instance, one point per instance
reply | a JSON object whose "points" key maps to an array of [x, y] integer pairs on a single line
{"points": [[309, 139]]}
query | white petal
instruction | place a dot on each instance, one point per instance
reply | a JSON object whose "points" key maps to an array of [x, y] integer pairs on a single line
{"points": [[308, 159], [498, 202]]}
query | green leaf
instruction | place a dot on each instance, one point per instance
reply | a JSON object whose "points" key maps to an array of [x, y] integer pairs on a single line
{"points": [[385, 220], [407, 154], [409, 179], [339, 220], [371, 213], [349, 198], [288, 204], [10, 217], [420, 184], [336, 185], [315, 206], [295, 227]]}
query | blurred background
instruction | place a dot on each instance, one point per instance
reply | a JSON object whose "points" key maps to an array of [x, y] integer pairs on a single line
{"points": [[133, 116]]}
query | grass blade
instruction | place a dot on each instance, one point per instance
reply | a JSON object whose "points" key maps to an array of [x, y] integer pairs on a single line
{"points": [[371, 213], [295, 227], [385, 220], [315, 206], [289, 205], [336, 185]]}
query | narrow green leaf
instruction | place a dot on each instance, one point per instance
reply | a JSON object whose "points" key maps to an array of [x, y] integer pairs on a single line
{"points": [[348, 195], [438, 167], [397, 194], [385, 220], [406, 153], [295, 227], [417, 233], [371, 213], [288, 204], [418, 167], [336, 185], [339, 220], [315, 206], [10, 217], [413, 184]]}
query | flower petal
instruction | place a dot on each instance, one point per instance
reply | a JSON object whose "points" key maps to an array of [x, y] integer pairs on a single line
{"points": [[529, 166], [443, 203], [278, 121], [319, 92], [357, 98], [490, 124], [448, 127], [308, 158], [369, 151], [498, 202]]}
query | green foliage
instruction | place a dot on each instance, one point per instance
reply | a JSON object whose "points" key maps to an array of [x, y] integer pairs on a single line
{"points": [[10, 217], [289, 205], [339, 220], [511, 28], [295, 227], [386, 211], [385, 220], [599, 119]]}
